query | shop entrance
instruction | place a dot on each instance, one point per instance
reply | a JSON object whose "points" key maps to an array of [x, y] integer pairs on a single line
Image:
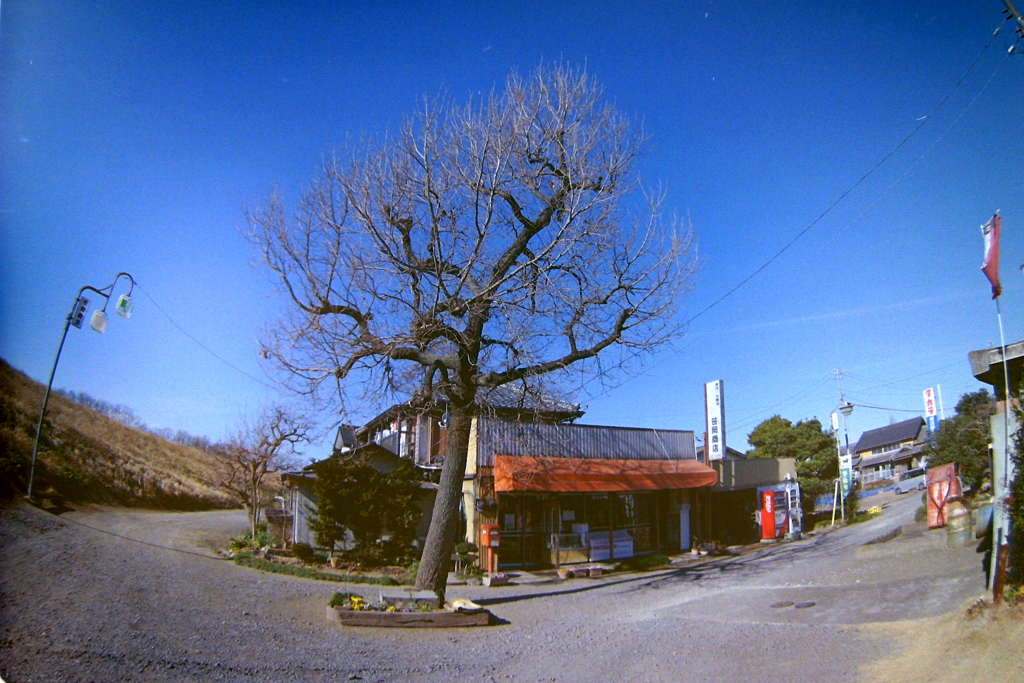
{"points": [[544, 530], [684, 527]]}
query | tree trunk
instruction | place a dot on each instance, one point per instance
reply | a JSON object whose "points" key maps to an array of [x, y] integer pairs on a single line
{"points": [[444, 520], [254, 519]]}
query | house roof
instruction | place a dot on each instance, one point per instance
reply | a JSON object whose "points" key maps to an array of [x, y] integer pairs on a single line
{"points": [[516, 397], [508, 400], [905, 453], [345, 437], [908, 430], [507, 437]]}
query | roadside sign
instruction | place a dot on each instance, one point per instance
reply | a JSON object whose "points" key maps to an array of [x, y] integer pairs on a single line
{"points": [[845, 477], [931, 415], [714, 411]]}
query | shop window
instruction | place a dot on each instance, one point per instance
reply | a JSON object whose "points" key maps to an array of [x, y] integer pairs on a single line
{"points": [[600, 512]]}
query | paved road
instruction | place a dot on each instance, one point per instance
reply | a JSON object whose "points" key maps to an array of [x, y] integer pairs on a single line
{"points": [[78, 604]]}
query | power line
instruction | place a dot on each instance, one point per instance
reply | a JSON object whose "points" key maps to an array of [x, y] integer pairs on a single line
{"points": [[784, 402], [930, 147], [203, 346], [863, 178], [893, 410], [853, 187]]}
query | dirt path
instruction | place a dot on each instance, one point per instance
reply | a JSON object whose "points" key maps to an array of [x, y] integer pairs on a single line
{"points": [[113, 603]]}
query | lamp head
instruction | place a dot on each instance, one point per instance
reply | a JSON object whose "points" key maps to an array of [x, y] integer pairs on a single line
{"points": [[124, 306], [98, 321]]}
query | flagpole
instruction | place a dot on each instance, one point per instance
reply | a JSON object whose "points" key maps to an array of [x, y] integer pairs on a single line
{"points": [[990, 267], [1001, 487]]}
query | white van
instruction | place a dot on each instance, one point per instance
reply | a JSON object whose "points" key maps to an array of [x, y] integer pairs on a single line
{"points": [[911, 480]]}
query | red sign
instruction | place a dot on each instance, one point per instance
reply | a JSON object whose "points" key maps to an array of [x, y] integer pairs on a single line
{"points": [[943, 485]]}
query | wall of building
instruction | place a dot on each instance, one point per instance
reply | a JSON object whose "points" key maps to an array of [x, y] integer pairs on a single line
{"points": [[736, 475]]}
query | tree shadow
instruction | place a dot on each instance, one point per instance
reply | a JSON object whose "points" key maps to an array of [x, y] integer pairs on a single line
{"points": [[759, 560], [53, 503]]}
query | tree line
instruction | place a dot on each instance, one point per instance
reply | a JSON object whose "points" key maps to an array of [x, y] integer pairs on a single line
{"points": [[127, 416]]}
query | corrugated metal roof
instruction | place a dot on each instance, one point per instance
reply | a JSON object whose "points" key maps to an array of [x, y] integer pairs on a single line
{"points": [[505, 437]]}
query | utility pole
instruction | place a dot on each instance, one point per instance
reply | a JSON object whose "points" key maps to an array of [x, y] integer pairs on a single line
{"points": [[1012, 13], [845, 482]]}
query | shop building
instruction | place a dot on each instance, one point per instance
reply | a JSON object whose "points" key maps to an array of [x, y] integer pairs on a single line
{"points": [[565, 493], [548, 492]]}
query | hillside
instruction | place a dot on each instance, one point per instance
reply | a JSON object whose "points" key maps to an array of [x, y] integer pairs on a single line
{"points": [[88, 457]]}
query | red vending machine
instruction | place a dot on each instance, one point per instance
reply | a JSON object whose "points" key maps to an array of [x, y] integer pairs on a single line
{"points": [[767, 514]]}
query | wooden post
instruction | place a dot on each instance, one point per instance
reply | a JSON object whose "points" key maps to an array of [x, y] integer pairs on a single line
{"points": [[1000, 582], [613, 504], [657, 521], [522, 531], [558, 532]]}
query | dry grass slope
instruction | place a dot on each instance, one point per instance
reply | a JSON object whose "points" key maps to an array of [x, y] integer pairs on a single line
{"points": [[88, 457]]}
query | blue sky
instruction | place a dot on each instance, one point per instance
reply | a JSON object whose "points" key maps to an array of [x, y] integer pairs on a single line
{"points": [[132, 136]]}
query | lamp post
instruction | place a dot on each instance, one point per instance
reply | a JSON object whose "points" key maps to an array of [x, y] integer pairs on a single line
{"points": [[98, 322]]}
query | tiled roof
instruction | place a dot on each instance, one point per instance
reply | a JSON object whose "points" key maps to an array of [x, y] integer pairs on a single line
{"points": [[905, 453], [514, 397], [908, 430], [508, 398]]}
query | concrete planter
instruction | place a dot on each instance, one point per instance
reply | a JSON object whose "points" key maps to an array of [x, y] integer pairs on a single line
{"points": [[495, 580], [437, 619]]}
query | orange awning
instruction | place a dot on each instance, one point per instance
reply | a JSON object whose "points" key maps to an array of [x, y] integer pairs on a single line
{"points": [[580, 475]]}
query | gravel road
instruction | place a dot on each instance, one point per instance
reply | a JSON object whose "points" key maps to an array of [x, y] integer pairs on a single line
{"points": [[110, 602]]}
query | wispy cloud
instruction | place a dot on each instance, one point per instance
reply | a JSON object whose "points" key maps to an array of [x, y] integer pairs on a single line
{"points": [[848, 313]]}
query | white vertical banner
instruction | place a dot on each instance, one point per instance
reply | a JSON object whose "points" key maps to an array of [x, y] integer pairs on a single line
{"points": [[845, 460], [929, 402], [930, 413], [714, 410]]}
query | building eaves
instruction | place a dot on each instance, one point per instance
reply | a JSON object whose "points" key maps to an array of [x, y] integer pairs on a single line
{"points": [[889, 456]]}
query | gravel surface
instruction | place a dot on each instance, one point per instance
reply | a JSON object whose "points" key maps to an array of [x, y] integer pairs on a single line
{"points": [[142, 596]]}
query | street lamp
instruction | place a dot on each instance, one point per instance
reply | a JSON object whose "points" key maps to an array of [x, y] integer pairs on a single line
{"points": [[98, 322]]}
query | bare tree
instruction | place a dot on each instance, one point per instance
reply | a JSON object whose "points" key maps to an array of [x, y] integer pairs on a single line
{"points": [[485, 243], [258, 448]]}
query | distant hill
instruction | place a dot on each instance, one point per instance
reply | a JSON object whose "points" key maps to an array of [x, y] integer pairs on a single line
{"points": [[90, 458]]}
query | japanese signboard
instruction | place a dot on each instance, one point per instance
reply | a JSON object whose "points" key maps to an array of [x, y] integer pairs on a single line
{"points": [[714, 410], [930, 414]]}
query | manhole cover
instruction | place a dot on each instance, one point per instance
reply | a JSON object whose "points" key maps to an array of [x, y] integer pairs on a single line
{"points": [[782, 604], [803, 605]]}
